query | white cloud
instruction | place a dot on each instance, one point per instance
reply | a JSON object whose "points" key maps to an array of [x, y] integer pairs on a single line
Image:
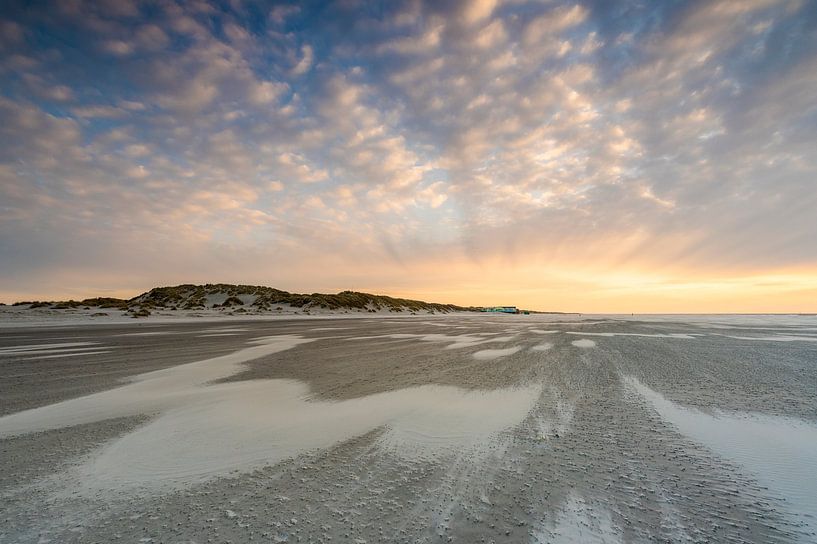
{"points": [[544, 27], [305, 63], [491, 35], [265, 92], [108, 112], [298, 168], [117, 47], [137, 172], [423, 43], [474, 11], [151, 38]]}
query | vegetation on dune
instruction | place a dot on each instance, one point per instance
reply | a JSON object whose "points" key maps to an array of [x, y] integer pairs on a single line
{"points": [[105, 302], [99, 302], [190, 296], [231, 301], [195, 297], [67, 305]]}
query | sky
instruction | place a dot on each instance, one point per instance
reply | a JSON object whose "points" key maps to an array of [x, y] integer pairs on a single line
{"points": [[590, 156]]}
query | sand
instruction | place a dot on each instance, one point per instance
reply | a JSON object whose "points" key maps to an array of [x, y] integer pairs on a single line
{"points": [[489, 354], [780, 452], [455, 428]]}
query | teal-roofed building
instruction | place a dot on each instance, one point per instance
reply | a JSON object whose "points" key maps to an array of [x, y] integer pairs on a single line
{"points": [[503, 309]]}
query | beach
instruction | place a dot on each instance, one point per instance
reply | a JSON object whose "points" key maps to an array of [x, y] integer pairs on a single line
{"points": [[454, 428]]}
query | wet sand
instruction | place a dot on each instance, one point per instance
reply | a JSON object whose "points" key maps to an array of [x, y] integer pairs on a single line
{"points": [[437, 429]]}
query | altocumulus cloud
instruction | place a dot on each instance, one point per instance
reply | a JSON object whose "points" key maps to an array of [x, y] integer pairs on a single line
{"points": [[165, 141]]}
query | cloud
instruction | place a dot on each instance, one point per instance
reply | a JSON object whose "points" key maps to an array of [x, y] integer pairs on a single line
{"points": [[473, 11], [305, 63], [491, 35], [563, 135], [298, 169], [266, 92], [151, 38], [117, 47], [424, 43], [11, 34], [46, 89], [109, 112], [553, 22]]}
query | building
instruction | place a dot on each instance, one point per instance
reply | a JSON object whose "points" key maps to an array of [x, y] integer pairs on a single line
{"points": [[503, 309]]}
